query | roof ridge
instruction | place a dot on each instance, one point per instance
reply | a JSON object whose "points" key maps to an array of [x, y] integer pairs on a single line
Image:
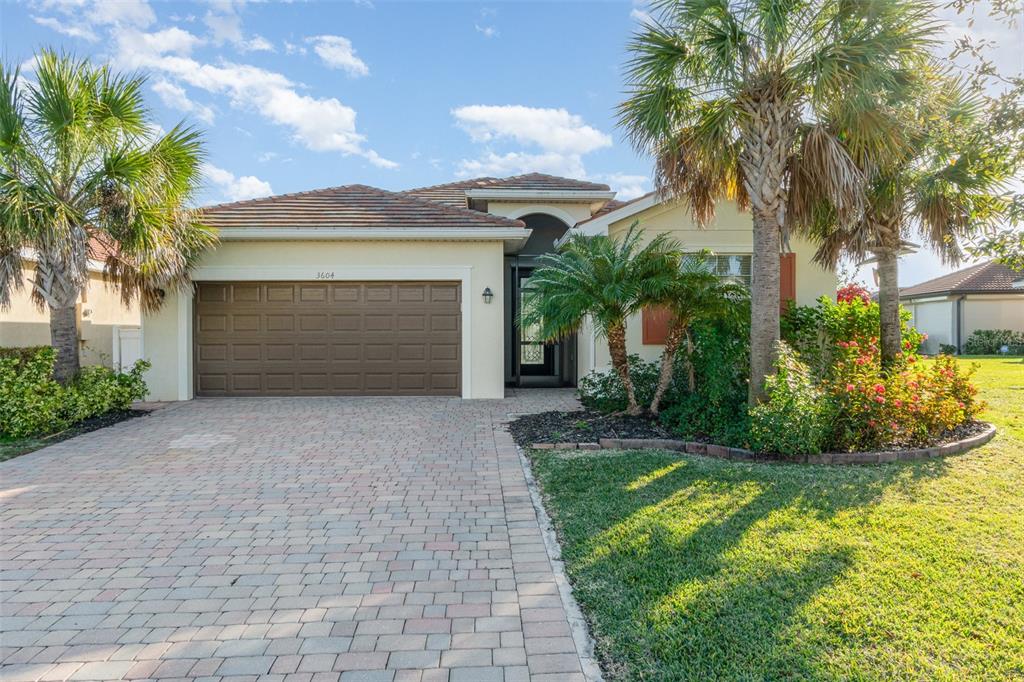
{"points": [[453, 183], [436, 205]]}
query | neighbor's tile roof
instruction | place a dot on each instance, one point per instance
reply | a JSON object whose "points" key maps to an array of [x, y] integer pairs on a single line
{"points": [[454, 193], [984, 278], [350, 206]]}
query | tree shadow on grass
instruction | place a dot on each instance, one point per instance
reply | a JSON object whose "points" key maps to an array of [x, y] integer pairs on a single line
{"points": [[688, 566]]}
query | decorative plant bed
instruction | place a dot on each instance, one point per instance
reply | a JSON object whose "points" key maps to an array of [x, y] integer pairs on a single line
{"points": [[969, 436], [582, 426], [13, 447]]}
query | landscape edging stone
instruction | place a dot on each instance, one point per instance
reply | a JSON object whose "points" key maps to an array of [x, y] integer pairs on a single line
{"points": [[743, 455]]}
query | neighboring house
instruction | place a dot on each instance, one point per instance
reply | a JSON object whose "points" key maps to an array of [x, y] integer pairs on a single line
{"points": [[359, 291], [949, 308], [109, 331]]}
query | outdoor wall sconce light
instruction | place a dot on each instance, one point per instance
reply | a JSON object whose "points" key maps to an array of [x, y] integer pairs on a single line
{"points": [[488, 295]]}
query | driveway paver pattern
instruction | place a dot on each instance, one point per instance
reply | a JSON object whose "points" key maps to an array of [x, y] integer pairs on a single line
{"points": [[291, 539]]}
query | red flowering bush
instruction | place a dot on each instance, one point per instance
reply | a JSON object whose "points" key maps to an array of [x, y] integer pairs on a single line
{"points": [[913, 404], [853, 292]]}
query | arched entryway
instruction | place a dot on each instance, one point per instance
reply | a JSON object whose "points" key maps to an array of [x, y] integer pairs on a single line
{"points": [[529, 362]]}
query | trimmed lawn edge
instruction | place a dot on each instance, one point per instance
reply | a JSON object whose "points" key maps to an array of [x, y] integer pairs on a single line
{"points": [[579, 626], [16, 447], [743, 455]]}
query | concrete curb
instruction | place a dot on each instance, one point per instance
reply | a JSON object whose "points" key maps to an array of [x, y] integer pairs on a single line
{"points": [[742, 455], [577, 623]]}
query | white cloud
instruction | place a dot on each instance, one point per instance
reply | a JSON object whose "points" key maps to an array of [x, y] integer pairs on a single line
{"points": [[235, 188], [136, 13], [65, 28], [320, 124], [487, 31], [224, 22], [175, 97], [138, 46], [292, 48], [337, 52], [256, 44], [560, 138], [641, 16], [553, 130], [626, 186], [517, 163]]}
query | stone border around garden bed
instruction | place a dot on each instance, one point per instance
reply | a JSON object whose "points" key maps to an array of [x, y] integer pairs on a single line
{"points": [[742, 455]]}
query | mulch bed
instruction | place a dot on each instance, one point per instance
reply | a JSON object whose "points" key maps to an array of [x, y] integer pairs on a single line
{"points": [[582, 426], [12, 448]]}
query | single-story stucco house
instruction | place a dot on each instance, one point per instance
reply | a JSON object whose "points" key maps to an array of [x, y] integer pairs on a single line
{"points": [[951, 307], [109, 330], [360, 291]]}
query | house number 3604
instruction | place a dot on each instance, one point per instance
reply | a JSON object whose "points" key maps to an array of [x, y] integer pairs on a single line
{"points": [[325, 275]]}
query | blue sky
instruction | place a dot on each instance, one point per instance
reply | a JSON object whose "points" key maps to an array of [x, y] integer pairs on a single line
{"points": [[296, 96]]}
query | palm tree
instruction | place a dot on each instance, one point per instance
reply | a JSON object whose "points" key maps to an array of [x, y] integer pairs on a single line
{"points": [[941, 176], [726, 94], [695, 294], [84, 174], [606, 280]]}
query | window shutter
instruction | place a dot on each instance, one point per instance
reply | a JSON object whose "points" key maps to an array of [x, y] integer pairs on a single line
{"points": [[655, 325], [787, 282]]}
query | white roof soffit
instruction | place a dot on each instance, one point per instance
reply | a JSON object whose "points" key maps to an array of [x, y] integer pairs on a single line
{"points": [[515, 235], [600, 225]]}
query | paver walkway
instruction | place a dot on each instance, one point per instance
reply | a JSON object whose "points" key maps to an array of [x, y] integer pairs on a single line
{"points": [[283, 539]]}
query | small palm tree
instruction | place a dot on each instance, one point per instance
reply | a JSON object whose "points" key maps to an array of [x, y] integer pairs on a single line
{"points": [[727, 96], [83, 174], [943, 178], [695, 294], [606, 280]]}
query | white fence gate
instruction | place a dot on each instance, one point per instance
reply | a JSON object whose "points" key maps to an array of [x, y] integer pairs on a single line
{"points": [[127, 347]]}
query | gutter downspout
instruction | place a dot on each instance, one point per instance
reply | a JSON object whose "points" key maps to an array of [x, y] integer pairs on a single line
{"points": [[959, 324]]}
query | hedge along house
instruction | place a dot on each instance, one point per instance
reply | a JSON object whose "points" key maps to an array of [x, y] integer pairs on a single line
{"points": [[359, 291], [952, 307]]}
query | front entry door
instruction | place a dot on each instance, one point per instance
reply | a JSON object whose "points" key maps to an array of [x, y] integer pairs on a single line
{"points": [[536, 358], [536, 363]]}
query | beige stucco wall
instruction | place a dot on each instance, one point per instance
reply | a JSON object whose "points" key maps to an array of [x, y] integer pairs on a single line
{"points": [[480, 262], [730, 233], [100, 312], [993, 312], [569, 212], [934, 317], [937, 316]]}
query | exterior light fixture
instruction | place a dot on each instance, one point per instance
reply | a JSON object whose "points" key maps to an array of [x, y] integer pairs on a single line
{"points": [[488, 295]]}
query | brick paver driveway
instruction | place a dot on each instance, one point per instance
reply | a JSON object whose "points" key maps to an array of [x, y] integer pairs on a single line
{"points": [[283, 539]]}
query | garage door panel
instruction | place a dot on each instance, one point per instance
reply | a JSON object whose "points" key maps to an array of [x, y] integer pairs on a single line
{"points": [[311, 338]]}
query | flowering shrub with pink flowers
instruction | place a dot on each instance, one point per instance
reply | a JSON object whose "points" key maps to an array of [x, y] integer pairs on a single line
{"points": [[915, 402]]}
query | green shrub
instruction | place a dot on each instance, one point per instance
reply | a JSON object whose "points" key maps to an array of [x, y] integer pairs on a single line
{"points": [[32, 403], [20, 352], [947, 349], [717, 408], [991, 342], [795, 417], [603, 391]]}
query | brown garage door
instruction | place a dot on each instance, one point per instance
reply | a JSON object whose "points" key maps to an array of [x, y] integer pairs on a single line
{"points": [[327, 338]]}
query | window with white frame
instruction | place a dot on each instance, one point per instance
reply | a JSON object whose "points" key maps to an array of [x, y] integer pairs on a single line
{"points": [[731, 266]]}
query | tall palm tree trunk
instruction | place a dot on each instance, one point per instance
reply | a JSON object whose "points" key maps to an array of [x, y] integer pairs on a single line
{"points": [[64, 339], [55, 282], [620, 362], [768, 137], [676, 334], [764, 302], [889, 305]]}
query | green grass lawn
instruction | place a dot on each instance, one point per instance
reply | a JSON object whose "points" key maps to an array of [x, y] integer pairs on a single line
{"points": [[692, 568]]}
